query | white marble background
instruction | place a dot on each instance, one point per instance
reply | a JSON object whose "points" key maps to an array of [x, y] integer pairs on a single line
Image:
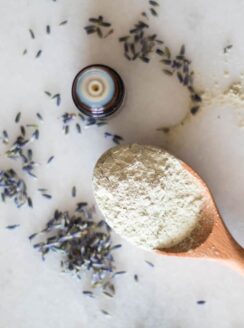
{"points": [[34, 293]]}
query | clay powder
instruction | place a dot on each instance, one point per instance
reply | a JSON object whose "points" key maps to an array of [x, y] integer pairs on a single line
{"points": [[146, 196]]}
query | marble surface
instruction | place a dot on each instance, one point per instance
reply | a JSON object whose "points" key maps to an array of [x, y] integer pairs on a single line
{"points": [[34, 293]]}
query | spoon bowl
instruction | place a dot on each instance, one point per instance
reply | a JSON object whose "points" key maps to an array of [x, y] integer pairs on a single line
{"points": [[209, 239]]}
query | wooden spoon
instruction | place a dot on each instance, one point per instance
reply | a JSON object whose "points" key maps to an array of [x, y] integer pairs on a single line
{"points": [[213, 238]]}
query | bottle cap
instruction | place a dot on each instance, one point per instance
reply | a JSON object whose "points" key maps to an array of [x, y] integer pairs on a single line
{"points": [[98, 91]]}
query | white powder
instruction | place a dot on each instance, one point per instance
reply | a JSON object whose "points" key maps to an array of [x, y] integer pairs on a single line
{"points": [[147, 196], [232, 96]]}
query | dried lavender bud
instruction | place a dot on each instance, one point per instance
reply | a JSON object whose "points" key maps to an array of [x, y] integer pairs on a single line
{"points": [[42, 189], [227, 48], [150, 263], [73, 192], [38, 54], [160, 52], [32, 33], [47, 196], [180, 77], [144, 14], [115, 246], [153, 3], [119, 273], [78, 128], [48, 29], [63, 23], [48, 93], [39, 116], [196, 97], [90, 29], [17, 118], [107, 293], [167, 52], [124, 38], [164, 129], [111, 31], [29, 154], [99, 32], [13, 226], [153, 12], [29, 201], [105, 312], [105, 24], [66, 129], [88, 292], [32, 236], [5, 137], [195, 109], [57, 96], [182, 50], [168, 72], [50, 159], [35, 134], [22, 130]]}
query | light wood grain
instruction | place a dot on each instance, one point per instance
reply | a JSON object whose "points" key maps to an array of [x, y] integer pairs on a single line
{"points": [[216, 242]]}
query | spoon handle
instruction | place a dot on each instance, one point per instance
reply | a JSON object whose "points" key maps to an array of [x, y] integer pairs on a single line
{"points": [[219, 245], [222, 246], [237, 262]]}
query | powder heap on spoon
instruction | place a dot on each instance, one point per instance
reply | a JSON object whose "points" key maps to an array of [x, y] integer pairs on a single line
{"points": [[147, 196]]}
